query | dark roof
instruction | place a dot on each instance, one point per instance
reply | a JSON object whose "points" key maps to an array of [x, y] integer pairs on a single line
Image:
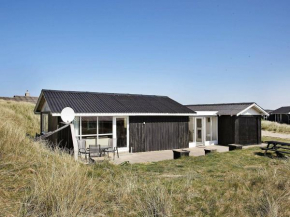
{"points": [[282, 110], [30, 99], [90, 102], [222, 109], [6, 98], [269, 110]]}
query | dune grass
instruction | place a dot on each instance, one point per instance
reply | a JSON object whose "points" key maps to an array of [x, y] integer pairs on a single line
{"points": [[275, 127], [37, 181], [268, 138]]}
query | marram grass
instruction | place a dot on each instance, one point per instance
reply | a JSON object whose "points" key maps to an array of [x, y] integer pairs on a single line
{"points": [[37, 181], [275, 127]]}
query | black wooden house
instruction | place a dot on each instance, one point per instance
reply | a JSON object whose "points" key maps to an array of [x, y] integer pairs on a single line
{"points": [[136, 123], [280, 115]]}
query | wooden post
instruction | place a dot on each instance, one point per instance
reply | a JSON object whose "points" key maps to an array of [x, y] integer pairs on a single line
{"points": [[74, 140]]}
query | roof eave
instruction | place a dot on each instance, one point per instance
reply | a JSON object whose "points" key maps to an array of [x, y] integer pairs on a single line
{"points": [[128, 114], [254, 105]]}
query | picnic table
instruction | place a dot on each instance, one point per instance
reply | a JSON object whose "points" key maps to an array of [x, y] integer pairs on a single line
{"points": [[280, 148]]}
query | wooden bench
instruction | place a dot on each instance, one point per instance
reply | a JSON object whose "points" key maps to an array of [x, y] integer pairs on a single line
{"points": [[282, 153], [267, 149], [233, 147], [208, 151], [178, 153]]}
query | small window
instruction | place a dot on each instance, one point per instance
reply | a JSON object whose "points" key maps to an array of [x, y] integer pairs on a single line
{"points": [[45, 123], [208, 120]]}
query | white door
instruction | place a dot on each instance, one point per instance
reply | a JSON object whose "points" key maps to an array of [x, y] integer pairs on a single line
{"points": [[199, 131], [121, 133]]}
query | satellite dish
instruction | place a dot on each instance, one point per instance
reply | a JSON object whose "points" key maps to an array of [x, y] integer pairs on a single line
{"points": [[67, 115]]}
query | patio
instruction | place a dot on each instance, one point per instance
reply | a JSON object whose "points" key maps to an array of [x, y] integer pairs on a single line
{"points": [[154, 156]]}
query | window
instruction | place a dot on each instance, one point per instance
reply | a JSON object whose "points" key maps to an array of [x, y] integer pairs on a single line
{"points": [[89, 125], [44, 123], [208, 120], [191, 129], [105, 125], [95, 130]]}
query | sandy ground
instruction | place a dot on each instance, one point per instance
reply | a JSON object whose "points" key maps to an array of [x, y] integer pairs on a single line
{"points": [[278, 135]]}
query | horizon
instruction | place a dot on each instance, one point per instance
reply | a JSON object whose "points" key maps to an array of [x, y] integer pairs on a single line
{"points": [[193, 52]]}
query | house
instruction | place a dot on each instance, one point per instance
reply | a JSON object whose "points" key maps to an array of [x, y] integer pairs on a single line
{"points": [[280, 115], [136, 123], [25, 98], [224, 124], [140, 123], [266, 117]]}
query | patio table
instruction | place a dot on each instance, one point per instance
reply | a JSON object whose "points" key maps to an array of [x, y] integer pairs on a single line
{"points": [[276, 146]]}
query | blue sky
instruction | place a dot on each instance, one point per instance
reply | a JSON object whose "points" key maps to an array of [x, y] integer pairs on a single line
{"points": [[195, 51]]}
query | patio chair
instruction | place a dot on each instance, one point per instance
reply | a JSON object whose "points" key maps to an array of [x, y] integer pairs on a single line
{"points": [[111, 148], [94, 151], [82, 148]]}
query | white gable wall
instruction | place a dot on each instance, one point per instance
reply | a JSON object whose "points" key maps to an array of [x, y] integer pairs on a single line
{"points": [[251, 111]]}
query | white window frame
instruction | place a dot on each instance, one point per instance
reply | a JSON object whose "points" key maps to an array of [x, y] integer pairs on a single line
{"points": [[81, 135], [113, 134]]}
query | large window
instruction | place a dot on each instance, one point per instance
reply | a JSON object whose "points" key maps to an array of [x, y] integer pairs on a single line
{"points": [[105, 125], [95, 130], [89, 125]]}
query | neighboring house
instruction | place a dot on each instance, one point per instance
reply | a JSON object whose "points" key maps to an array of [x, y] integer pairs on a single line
{"points": [[266, 117], [280, 115], [25, 98], [136, 123], [224, 124]]}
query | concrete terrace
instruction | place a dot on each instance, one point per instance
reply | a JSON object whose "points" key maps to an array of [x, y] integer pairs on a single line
{"points": [[154, 156]]}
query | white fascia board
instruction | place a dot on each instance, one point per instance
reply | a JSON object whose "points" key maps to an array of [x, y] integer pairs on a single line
{"points": [[126, 114], [263, 112], [37, 104], [206, 113]]}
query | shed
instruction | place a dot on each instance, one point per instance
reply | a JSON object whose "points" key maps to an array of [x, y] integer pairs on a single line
{"points": [[237, 123]]}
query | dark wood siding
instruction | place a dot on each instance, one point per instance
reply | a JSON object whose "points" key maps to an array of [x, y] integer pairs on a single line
{"points": [[226, 129], [242, 130], [63, 138], [249, 130], [158, 133], [285, 118], [52, 125]]}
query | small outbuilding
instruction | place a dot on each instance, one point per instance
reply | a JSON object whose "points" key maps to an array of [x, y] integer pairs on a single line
{"points": [[280, 115], [224, 124]]}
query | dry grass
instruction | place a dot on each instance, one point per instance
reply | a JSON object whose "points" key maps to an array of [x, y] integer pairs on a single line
{"points": [[36, 181], [275, 127]]}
